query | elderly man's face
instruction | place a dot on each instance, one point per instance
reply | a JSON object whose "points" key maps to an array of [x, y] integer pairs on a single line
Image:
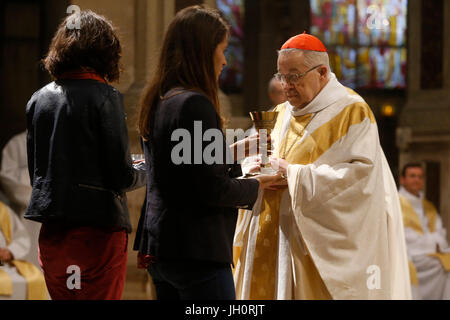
{"points": [[303, 91]]}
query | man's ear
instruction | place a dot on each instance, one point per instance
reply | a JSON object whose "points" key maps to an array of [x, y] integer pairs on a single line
{"points": [[402, 179]]}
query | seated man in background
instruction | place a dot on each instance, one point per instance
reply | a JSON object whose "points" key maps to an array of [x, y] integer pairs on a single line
{"points": [[19, 280], [15, 184], [425, 238]]}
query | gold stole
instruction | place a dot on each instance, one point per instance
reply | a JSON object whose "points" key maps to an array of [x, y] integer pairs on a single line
{"points": [[413, 273], [411, 220], [410, 217], [312, 147], [444, 258], [6, 287], [36, 289], [266, 247]]}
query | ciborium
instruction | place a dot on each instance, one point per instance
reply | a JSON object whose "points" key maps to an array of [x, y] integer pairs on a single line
{"points": [[264, 122]]}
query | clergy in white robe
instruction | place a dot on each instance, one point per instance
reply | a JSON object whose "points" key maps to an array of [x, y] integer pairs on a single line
{"points": [[19, 279], [15, 184], [335, 231], [426, 238]]}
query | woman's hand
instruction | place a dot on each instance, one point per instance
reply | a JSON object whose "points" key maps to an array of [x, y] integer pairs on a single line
{"points": [[247, 147], [255, 166], [279, 165], [271, 182], [5, 255]]}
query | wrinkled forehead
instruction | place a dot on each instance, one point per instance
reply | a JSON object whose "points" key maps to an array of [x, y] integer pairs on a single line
{"points": [[290, 61]]}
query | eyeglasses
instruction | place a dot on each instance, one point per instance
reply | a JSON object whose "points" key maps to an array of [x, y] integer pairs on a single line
{"points": [[292, 77]]}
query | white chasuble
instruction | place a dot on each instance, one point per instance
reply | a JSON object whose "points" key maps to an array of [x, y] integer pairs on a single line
{"points": [[336, 231]]}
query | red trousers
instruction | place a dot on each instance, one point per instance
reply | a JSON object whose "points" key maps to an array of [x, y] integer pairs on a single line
{"points": [[83, 263]]}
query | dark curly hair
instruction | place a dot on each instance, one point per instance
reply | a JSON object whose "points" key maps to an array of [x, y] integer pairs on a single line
{"points": [[94, 44]]}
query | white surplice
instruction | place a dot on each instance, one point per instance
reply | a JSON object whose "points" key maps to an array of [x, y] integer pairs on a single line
{"points": [[434, 280], [15, 183]]}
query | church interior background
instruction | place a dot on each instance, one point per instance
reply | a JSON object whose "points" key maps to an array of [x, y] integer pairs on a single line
{"points": [[394, 53]]}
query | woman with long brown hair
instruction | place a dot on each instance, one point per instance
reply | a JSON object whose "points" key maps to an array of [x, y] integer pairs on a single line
{"points": [[187, 229], [79, 163]]}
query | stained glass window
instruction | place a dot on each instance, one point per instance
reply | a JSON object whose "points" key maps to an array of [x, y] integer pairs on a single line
{"points": [[382, 22], [381, 67], [366, 40], [231, 79], [333, 21], [342, 63]]}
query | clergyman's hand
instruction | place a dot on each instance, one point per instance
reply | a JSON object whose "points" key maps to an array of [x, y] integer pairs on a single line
{"points": [[5, 255], [279, 165]]}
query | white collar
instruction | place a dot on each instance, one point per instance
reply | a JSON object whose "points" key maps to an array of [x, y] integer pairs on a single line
{"points": [[332, 92], [411, 197]]}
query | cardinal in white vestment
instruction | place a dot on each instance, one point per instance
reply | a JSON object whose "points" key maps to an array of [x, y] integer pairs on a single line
{"points": [[334, 230], [426, 238]]}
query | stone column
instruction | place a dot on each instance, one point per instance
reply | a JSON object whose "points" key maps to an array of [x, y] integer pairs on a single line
{"points": [[151, 20]]}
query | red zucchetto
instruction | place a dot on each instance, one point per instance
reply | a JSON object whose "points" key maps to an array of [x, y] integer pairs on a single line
{"points": [[306, 42]]}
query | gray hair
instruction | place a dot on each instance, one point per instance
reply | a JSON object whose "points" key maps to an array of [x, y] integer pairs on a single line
{"points": [[312, 58]]}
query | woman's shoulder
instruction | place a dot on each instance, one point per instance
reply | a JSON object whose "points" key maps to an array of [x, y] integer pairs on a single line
{"points": [[182, 95], [48, 95], [91, 91], [68, 86], [51, 89], [187, 101]]}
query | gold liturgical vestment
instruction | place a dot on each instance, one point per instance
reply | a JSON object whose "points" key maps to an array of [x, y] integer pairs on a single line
{"points": [[36, 289], [336, 231]]}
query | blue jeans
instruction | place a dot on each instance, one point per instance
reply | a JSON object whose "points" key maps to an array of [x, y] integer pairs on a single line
{"points": [[192, 280]]}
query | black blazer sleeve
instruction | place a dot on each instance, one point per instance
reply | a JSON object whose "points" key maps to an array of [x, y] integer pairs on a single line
{"points": [[212, 184], [123, 176]]}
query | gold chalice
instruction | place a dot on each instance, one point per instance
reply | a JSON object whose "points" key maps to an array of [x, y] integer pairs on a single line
{"points": [[264, 122]]}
